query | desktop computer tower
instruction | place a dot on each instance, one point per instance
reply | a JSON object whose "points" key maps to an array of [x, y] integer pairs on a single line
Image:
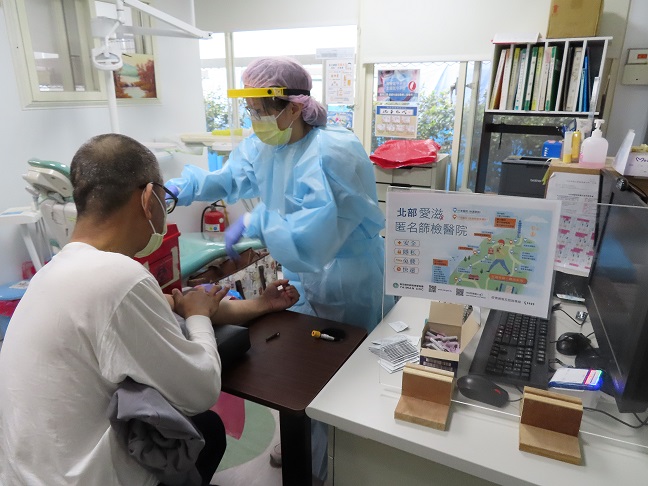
{"points": [[523, 175]]}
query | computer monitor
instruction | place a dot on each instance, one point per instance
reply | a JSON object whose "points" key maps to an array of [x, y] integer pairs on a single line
{"points": [[617, 296]]}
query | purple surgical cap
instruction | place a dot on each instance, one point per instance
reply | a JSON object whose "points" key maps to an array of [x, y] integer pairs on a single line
{"points": [[288, 73]]}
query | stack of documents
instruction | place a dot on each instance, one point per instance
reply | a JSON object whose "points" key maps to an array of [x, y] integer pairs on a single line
{"points": [[396, 351]]}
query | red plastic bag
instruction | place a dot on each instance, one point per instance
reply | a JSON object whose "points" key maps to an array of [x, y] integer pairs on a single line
{"points": [[402, 153]]}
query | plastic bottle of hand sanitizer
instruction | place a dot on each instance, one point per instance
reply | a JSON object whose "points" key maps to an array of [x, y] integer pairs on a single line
{"points": [[594, 149]]}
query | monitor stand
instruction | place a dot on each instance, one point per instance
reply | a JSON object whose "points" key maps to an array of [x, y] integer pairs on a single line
{"points": [[591, 359]]}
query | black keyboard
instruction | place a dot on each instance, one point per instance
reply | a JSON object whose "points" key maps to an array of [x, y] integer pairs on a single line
{"points": [[513, 350]]}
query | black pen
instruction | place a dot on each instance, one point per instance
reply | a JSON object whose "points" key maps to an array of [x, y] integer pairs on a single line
{"points": [[275, 335]]}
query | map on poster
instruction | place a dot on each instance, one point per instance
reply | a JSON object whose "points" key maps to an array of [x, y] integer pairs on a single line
{"points": [[489, 251]]}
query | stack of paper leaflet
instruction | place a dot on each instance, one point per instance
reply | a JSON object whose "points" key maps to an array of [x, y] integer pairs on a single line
{"points": [[396, 351]]}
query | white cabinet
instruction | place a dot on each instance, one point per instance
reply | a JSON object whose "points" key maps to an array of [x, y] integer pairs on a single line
{"points": [[428, 176]]}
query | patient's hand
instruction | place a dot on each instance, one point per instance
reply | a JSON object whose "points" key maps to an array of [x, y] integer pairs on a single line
{"points": [[198, 301], [279, 299]]}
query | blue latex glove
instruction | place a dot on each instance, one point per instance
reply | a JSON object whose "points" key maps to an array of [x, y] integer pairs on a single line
{"points": [[233, 234], [175, 190]]}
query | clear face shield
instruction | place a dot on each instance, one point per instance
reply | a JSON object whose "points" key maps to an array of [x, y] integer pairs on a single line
{"points": [[251, 107]]}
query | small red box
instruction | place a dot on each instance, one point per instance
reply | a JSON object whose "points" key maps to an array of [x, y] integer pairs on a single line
{"points": [[164, 263]]}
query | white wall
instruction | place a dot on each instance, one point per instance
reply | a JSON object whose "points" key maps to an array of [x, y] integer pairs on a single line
{"points": [[55, 134], [630, 106]]}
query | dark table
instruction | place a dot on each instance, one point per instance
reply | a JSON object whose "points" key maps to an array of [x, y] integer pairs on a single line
{"points": [[286, 373]]}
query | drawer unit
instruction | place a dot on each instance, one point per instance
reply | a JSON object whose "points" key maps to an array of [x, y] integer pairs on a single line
{"points": [[429, 176]]}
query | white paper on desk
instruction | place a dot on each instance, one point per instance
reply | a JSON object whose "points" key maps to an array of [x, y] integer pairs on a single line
{"points": [[579, 195], [398, 326], [394, 368], [393, 339]]}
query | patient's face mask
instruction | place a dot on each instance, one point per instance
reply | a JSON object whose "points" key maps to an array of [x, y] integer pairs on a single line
{"points": [[266, 128], [155, 241]]}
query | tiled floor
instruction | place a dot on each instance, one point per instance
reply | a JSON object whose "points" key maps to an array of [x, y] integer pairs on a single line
{"points": [[256, 472]]}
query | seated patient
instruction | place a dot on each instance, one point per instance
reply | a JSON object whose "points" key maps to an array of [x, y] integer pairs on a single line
{"points": [[93, 318]]}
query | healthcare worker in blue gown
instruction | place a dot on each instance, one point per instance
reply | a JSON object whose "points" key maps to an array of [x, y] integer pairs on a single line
{"points": [[318, 213]]}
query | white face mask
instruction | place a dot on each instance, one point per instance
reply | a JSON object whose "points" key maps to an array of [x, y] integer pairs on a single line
{"points": [[268, 131], [156, 239]]}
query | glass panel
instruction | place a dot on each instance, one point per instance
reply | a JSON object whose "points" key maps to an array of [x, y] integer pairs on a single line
{"points": [[474, 104], [60, 40], [503, 145]]}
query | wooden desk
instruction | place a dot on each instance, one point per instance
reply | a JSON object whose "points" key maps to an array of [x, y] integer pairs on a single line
{"points": [[286, 374]]}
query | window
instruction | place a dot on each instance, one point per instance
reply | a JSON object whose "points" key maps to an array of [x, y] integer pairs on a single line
{"points": [[301, 44], [53, 43], [441, 116]]}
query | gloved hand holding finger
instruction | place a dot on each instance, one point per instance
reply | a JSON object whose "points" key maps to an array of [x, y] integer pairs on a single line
{"points": [[233, 234]]}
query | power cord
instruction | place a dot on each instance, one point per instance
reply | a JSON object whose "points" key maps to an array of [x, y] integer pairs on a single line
{"points": [[556, 307], [642, 423]]}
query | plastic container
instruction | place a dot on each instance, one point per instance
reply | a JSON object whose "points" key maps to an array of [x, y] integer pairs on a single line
{"points": [[594, 149], [567, 147], [575, 145], [552, 149]]}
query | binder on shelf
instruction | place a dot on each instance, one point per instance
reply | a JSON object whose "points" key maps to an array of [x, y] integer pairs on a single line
{"points": [[567, 66], [506, 79], [536, 79], [571, 103], [553, 79], [584, 91], [497, 84], [524, 66], [544, 76], [515, 73], [530, 78]]}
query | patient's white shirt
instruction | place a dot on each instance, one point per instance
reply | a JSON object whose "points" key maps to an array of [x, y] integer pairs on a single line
{"points": [[88, 320]]}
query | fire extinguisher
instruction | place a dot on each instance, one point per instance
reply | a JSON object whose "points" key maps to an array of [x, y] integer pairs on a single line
{"points": [[213, 219]]}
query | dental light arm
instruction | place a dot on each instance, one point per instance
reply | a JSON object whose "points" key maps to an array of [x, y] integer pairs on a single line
{"points": [[182, 29], [108, 56]]}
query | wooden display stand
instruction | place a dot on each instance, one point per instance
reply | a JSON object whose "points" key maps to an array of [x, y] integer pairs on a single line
{"points": [[426, 396], [549, 425]]}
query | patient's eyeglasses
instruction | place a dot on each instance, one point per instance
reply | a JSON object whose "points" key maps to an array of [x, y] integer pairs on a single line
{"points": [[170, 199]]}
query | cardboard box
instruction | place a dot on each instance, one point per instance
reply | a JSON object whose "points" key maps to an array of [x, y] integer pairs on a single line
{"points": [[447, 319], [164, 263], [557, 165], [573, 18]]}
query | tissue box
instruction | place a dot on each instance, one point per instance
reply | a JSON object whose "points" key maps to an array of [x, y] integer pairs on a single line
{"points": [[636, 165], [630, 163], [447, 320]]}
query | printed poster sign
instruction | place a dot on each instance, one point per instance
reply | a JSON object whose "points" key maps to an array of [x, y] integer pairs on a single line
{"points": [[398, 85], [339, 82], [396, 121], [579, 196], [488, 251]]}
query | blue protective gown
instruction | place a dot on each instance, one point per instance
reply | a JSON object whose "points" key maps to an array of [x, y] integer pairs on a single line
{"points": [[318, 216]]}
